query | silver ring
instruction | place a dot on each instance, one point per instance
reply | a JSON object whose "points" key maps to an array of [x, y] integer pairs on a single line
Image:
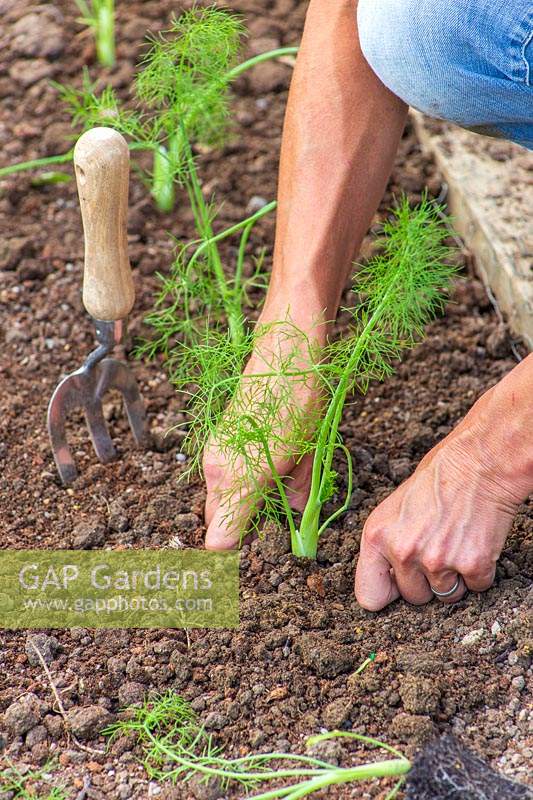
{"points": [[450, 591]]}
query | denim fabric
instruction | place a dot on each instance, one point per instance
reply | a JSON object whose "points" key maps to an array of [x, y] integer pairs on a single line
{"points": [[468, 61]]}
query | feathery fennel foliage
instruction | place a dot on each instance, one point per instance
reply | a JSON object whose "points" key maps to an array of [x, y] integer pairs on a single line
{"points": [[182, 93], [177, 748], [293, 405]]}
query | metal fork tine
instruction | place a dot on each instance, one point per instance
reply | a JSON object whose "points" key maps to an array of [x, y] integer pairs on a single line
{"points": [[65, 397], [118, 376], [103, 446]]}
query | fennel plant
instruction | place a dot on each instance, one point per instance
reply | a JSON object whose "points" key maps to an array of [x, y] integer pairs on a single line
{"points": [[259, 419], [182, 95], [177, 748], [183, 99], [100, 16]]}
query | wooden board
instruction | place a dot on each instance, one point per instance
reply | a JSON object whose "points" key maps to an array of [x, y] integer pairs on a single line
{"points": [[490, 184]]}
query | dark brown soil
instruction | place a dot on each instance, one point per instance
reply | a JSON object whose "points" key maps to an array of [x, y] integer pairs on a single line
{"points": [[287, 672]]}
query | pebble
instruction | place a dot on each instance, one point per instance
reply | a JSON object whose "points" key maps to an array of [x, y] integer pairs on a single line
{"points": [[215, 721], [88, 533], [473, 637], [186, 522], [496, 628], [519, 682], [400, 469], [28, 72], [38, 35], [86, 723], [256, 203], [22, 715], [131, 693], [46, 645], [181, 458], [269, 76], [36, 736]]}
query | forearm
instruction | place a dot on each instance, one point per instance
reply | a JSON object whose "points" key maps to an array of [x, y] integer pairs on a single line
{"points": [[341, 134], [497, 429]]}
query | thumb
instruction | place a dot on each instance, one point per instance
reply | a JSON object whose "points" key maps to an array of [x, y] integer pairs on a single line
{"points": [[375, 586]]}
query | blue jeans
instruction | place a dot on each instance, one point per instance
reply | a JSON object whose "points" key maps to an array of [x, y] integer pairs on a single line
{"points": [[467, 61]]}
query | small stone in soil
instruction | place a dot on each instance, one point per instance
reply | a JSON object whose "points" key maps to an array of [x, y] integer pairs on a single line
{"points": [[268, 77], [37, 35], [325, 658], [186, 522], [329, 750], [473, 637], [412, 728], [23, 715], [255, 203], [88, 533], [46, 645], [131, 693], [180, 664], [36, 736], [88, 722], [215, 721], [400, 469], [336, 713]]}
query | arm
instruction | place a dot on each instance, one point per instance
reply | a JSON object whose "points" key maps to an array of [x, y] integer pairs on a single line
{"points": [[341, 133]]}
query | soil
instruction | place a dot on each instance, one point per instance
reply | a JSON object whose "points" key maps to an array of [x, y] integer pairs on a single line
{"points": [[288, 670]]}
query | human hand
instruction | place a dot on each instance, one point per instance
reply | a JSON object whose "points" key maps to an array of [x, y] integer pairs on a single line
{"points": [[449, 521], [231, 481]]}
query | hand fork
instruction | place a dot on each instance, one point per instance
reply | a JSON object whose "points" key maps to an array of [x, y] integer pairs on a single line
{"points": [[101, 163]]}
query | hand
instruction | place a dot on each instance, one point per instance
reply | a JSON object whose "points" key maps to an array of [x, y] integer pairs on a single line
{"points": [[449, 520], [230, 499]]}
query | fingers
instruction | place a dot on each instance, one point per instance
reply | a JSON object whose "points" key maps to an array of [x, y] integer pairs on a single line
{"points": [[375, 586], [412, 583], [443, 582], [481, 578], [299, 482], [223, 532]]}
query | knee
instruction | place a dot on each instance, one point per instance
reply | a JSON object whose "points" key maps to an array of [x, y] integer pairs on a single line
{"points": [[406, 43], [416, 48]]}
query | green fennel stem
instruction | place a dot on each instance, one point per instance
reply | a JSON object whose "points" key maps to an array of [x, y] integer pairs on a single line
{"points": [[163, 180], [309, 530], [203, 222], [105, 33], [251, 62], [35, 163]]}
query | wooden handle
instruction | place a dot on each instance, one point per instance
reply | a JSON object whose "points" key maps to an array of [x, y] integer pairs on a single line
{"points": [[101, 163]]}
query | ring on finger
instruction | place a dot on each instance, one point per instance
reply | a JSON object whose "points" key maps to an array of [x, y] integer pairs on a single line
{"points": [[450, 591]]}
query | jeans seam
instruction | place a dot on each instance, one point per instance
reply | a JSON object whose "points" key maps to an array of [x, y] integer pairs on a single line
{"points": [[527, 66]]}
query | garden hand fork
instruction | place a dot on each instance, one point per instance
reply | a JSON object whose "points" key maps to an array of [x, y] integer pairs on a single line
{"points": [[101, 163]]}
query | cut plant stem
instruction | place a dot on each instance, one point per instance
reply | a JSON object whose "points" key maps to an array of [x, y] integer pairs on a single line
{"points": [[176, 747]]}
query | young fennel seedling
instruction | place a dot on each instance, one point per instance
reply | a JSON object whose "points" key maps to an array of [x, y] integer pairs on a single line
{"points": [[259, 420], [182, 91], [183, 99]]}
